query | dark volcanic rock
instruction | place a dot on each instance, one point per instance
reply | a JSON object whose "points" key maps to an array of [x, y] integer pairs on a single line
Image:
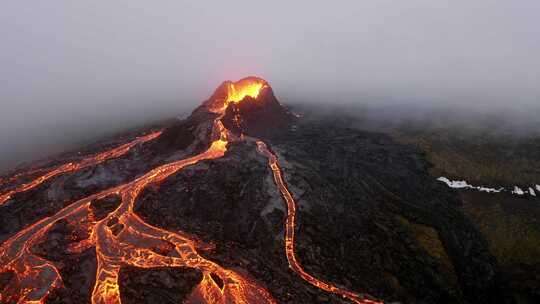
{"points": [[157, 285], [356, 185], [78, 275], [102, 207], [232, 202], [220, 198], [370, 219], [260, 117], [76, 267], [5, 279], [178, 140], [181, 135]]}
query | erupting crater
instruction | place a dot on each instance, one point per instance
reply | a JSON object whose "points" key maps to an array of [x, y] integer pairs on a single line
{"points": [[250, 86], [120, 238], [235, 92]]}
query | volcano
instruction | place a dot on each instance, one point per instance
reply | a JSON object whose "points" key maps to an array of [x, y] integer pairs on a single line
{"points": [[242, 202], [249, 107]]}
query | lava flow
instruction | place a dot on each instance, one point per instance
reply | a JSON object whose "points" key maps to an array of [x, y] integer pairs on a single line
{"points": [[289, 233], [74, 166], [123, 238]]}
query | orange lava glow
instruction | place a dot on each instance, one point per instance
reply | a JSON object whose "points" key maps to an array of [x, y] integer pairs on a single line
{"points": [[74, 166], [123, 238], [237, 91], [289, 233], [134, 245]]}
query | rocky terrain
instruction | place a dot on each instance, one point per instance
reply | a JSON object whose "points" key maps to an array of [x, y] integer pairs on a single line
{"points": [[360, 195], [370, 217], [492, 150]]}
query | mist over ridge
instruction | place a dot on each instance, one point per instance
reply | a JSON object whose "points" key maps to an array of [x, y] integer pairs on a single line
{"points": [[75, 72]]}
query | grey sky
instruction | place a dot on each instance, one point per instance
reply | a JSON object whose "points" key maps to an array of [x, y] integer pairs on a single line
{"points": [[70, 67]]}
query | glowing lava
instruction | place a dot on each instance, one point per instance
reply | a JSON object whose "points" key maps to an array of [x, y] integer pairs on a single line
{"points": [[289, 233], [135, 244], [74, 166], [123, 238], [235, 92], [239, 90]]}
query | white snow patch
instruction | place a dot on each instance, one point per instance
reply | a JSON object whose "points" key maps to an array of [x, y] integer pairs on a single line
{"points": [[489, 190], [465, 185], [517, 190], [454, 184]]}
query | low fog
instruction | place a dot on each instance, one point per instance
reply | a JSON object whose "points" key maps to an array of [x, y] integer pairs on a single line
{"points": [[75, 71]]}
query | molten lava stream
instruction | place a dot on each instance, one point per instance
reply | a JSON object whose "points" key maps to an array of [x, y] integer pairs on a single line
{"points": [[36, 277], [289, 234], [86, 162], [122, 238]]}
